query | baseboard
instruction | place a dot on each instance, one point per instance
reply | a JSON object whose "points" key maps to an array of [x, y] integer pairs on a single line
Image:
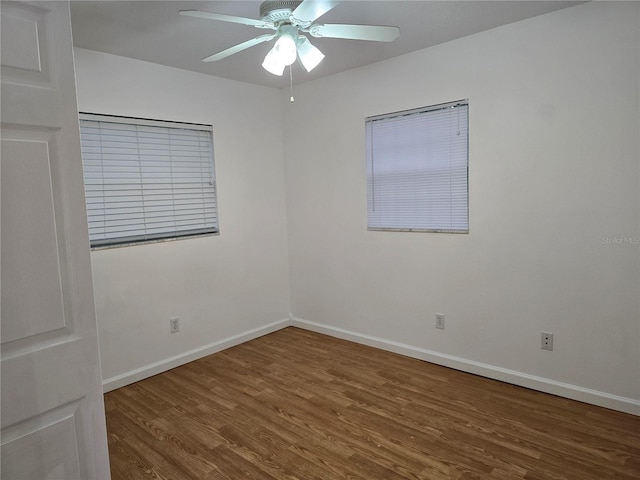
{"points": [[574, 392], [189, 356]]}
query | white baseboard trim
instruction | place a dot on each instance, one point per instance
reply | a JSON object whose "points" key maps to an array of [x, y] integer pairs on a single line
{"points": [[189, 356], [574, 392]]}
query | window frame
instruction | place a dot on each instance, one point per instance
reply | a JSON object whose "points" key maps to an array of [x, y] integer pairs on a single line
{"points": [[370, 175], [167, 236]]}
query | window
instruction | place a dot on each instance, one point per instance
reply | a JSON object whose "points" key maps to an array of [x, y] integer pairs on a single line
{"points": [[146, 179], [417, 169]]}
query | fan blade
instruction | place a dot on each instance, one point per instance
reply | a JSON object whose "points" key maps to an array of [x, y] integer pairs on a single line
{"points": [[239, 47], [310, 10], [374, 33], [227, 18]]}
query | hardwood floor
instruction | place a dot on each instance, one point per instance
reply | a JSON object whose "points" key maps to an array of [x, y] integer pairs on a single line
{"points": [[300, 405]]}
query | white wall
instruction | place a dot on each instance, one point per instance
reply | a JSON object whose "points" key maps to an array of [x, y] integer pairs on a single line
{"points": [[220, 286], [554, 173], [554, 170]]}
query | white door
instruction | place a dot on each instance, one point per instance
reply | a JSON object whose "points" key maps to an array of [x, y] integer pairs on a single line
{"points": [[52, 410]]}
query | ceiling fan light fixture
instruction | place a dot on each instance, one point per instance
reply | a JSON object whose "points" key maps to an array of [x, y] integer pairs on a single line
{"points": [[309, 55]]}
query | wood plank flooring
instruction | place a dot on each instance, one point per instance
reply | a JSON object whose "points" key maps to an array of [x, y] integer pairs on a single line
{"points": [[300, 405]]}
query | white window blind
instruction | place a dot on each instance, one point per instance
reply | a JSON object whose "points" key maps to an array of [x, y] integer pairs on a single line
{"points": [[417, 164], [147, 179]]}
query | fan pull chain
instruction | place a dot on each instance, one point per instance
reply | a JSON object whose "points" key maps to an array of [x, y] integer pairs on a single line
{"points": [[291, 84]]}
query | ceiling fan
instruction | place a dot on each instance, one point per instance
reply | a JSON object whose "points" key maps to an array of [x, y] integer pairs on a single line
{"points": [[290, 20]]}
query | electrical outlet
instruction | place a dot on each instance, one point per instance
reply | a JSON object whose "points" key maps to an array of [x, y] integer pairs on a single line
{"points": [[174, 324], [440, 321], [546, 341]]}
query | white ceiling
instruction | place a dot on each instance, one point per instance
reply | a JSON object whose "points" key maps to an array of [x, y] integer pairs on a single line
{"points": [[154, 32]]}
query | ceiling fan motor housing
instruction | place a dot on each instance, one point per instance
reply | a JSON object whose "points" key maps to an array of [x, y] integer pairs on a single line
{"points": [[277, 11]]}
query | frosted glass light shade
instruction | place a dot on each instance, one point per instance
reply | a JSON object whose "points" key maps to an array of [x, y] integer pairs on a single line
{"points": [[272, 63], [283, 53], [285, 49], [309, 55]]}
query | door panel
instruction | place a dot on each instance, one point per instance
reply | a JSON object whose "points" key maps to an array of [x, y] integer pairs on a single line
{"points": [[25, 44], [30, 261], [43, 447], [52, 418]]}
